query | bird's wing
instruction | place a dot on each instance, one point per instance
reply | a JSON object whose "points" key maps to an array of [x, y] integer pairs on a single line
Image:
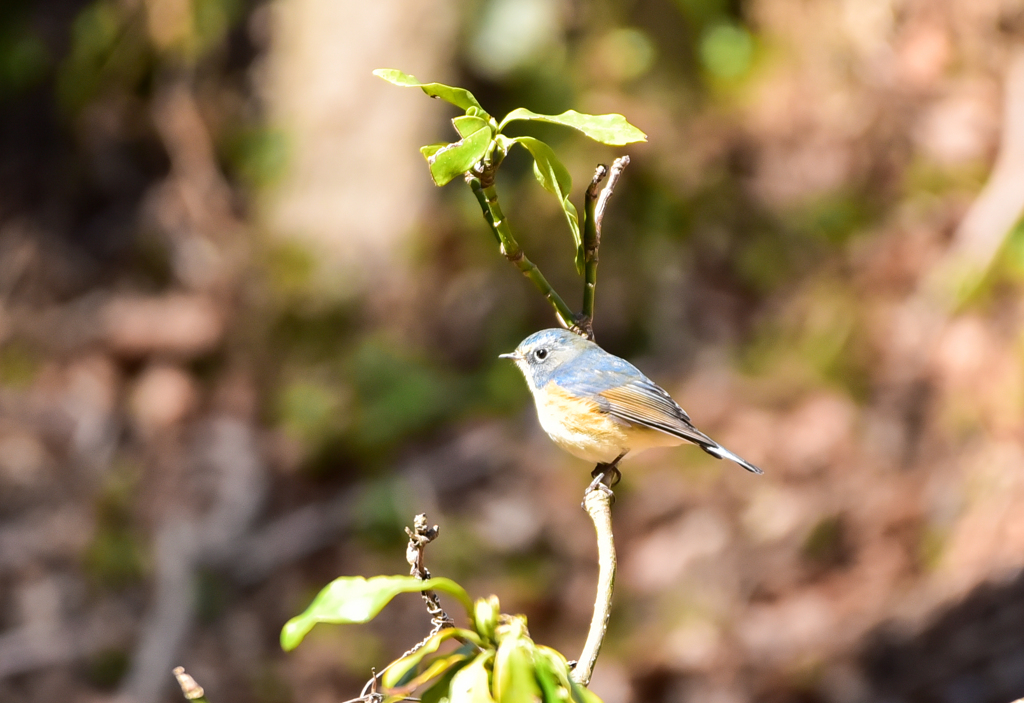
{"points": [[643, 402], [624, 393]]}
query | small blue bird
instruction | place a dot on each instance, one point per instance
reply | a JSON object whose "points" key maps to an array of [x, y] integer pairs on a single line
{"points": [[599, 407]]}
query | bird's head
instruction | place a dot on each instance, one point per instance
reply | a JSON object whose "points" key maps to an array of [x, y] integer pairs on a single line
{"points": [[542, 352]]}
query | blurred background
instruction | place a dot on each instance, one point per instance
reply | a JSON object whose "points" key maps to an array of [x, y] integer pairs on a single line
{"points": [[244, 339]]}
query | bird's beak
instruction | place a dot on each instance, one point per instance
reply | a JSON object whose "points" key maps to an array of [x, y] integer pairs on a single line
{"points": [[514, 356]]}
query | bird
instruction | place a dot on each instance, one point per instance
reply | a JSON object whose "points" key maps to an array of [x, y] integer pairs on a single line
{"points": [[599, 407]]}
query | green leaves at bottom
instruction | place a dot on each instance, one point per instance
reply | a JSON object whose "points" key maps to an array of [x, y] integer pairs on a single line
{"points": [[472, 683], [435, 667], [440, 691], [553, 676], [401, 670], [354, 599], [515, 680], [555, 178]]}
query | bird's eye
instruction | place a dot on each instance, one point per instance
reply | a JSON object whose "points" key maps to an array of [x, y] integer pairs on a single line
{"points": [[541, 354]]}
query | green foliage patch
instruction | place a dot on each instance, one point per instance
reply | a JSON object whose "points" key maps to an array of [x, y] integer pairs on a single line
{"points": [[494, 659]]}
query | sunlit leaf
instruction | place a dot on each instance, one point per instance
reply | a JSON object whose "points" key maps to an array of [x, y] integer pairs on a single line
{"points": [[551, 691], [485, 616], [354, 599], [611, 129], [431, 149], [440, 690], [401, 668], [472, 684], [503, 144], [551, 664], [434, 668], [466, 125], [453, 160], [460, 97], [515, 680], [555, 178]]}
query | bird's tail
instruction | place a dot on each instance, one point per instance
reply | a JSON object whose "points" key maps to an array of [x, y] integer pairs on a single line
{"points": [[717, 450]]}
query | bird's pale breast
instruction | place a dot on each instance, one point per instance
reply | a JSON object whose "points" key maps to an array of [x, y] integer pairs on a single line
{"points": [[577, 425]]}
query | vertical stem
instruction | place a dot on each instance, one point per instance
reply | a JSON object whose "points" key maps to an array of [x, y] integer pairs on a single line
{"points": [[487, 196], [598, 504], [595, 207], [478, 191], [591, 243]]}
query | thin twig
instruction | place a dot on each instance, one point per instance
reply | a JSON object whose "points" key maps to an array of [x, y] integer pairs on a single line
{"points": [[598, 504], [189, 688], [595, 205], [372, 696], [591, 242], [419, 537], [613, 178]]}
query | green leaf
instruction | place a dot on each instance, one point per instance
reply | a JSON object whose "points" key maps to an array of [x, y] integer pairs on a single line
{"points": [[485, 616], [440, 690], [466, 125], [436, 667], [549, 683], [502, 145], [515, 680], [551, 663], [459, 97], [453, 160], [611, 129], [400, 669], [354, 599], [471, 684], [431, 149], [555, 178]]}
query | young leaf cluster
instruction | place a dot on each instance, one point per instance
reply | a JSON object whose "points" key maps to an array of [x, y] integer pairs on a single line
{"points": [[494, 660], [482, 145]]}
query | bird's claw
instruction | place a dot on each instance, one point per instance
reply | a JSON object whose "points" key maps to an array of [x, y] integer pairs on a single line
{"points": [[598, 484]]}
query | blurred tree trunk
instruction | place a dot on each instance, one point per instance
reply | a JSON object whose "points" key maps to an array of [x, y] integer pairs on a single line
{"points": [[351, 194]]}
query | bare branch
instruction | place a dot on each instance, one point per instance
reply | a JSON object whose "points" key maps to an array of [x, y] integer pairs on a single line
{"points": [[618, 166], [419, 537], [598, 504], [595, 205], [189, 688]]}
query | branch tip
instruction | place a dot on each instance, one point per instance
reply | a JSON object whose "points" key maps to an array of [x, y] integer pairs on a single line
{"points": [[189, 688], [618, 166], [599, 175]]}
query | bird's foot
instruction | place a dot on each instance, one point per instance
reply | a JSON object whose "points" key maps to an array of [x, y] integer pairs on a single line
{"points": [[605, 476], [598, 484]]}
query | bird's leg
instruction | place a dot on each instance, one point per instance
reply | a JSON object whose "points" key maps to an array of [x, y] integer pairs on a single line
{"points": [[609, 471], [605, 476]]}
